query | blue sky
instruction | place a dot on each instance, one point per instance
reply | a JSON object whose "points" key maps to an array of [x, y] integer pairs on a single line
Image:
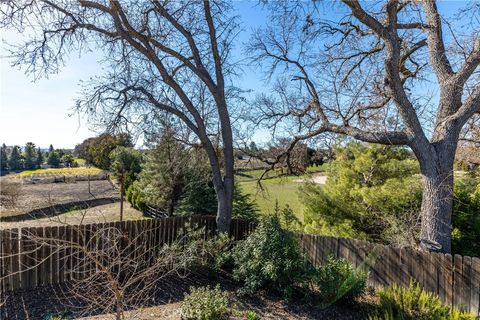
{"points": [[40, 111]]}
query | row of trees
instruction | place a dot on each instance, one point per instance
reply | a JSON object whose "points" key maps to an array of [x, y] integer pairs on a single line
{"points": [[359, 73], [13, 159], [96, 150], [171, 176]]}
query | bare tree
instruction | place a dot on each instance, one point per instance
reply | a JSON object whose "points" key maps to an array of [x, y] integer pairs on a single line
{"points": [[10, 191], [162, 57], [394, 72]]}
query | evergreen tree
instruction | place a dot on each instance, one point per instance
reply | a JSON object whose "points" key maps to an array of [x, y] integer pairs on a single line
{"points": [[15, 161], [50, 150], [68, 160], [30, 156], [3, 159], [244, 207], [126, 164], [53, 159], [40, 159], [163, 178]]}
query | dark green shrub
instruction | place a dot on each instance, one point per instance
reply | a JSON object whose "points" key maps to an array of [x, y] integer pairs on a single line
{"points": [[466, 216], [193, 250], [135, 197], [270, 258], [413, 303], [244, 207], [338, 280], [57, 316], [204, 303]]}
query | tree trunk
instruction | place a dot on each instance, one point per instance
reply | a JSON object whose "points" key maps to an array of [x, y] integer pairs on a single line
{"points": [[225, 206], [437, 203]]}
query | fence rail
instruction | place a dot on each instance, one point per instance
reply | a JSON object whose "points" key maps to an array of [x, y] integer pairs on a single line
{"points": [[455, 279], [27, 260], [154, 213], [25, 263]]}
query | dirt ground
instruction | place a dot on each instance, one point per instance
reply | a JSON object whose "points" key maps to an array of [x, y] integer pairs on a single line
{"points": [[317, 178], [165, 303], [37, 196], [102, 213]]}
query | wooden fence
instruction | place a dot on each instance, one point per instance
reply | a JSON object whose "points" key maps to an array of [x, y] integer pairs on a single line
{"points": [[25, 263], [28, 261], [455, 279]]}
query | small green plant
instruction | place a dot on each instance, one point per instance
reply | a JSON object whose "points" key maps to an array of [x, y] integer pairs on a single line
{"points": [[204, 303], [338, 280], [412, 303], [57, 316], [251, 315], [270, 258]]}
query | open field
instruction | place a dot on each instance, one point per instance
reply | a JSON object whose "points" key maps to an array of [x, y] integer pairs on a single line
{"points": [[59, 171], [37, 196], [284, 189]]}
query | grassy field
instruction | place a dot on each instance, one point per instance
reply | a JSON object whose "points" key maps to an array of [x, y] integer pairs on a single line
{"points": [[274, 187], [81, 162], [60, 171]]}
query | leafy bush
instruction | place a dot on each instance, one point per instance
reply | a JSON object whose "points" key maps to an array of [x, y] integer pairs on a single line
{"points": [[126, 164], [57, 316], [270, 258], [194, 249], [412, 303], [252, 315], [369, 187], [337, 280], [135, 196], [204, 303], [466, 216]]}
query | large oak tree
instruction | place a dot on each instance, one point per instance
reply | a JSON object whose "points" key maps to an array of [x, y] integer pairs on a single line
{"points": [[394, 72], [161, 56]]}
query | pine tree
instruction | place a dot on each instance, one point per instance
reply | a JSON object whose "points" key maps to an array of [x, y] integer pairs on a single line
{"points": [[53, 159], [15, 161], [50, 150], [3, 159], [30, 156], [40, 158]]}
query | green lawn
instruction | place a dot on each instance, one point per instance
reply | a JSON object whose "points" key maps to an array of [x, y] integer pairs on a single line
{"points": [[81, 162], [283, 189]]}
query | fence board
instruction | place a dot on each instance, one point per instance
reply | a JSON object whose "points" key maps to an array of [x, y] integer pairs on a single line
{"points": [[55, 278], [449, 279], [466, 282], [6, 260], [441, 272], [457, 280], [403, 263], [16, 281], [430, 273], [475, 288], [27, 262]]}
